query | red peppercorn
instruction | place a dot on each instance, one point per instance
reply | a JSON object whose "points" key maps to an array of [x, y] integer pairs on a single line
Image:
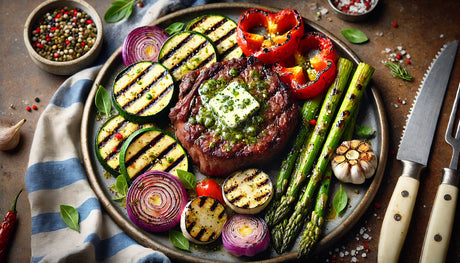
{"points": [[395, 24], [89, 21], [35, 107], [313, 122], [140, 4], [118, 136], [82, 44], [114, 149], [398, 56], [28, 108], [408, 62], [377, 205]]}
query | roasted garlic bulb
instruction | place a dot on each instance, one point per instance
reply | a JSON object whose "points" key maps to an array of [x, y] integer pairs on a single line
{"points": [[354, 162]]}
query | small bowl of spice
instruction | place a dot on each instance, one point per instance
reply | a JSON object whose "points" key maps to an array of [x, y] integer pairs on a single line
{"points": [[353, 10], [63, 36]]}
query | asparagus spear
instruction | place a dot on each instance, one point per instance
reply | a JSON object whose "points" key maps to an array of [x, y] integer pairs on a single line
{"points": [[313, 228], [311, 149], [309, 110], [349, 105]]}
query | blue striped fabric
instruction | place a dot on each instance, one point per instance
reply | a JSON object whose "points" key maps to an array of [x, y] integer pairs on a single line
{"points": [[56, 175]]}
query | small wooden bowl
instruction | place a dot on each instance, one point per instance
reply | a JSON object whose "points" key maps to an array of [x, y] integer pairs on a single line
{"points": [[62, 67]]}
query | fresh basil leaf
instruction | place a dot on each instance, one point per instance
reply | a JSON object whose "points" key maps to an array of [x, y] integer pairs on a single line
{"points": [[174, 28], [118, 10], [121, 185], [355, 36], [364, 131], [340, 201], [178, 240], [103, 101], [188, 179], [70, 216]]}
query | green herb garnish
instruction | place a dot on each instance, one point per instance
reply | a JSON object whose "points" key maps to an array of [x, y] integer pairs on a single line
{"points": [[355, 36], [174, 28], [120, 188], [178, 240], [188, 179], [103, 101], [340, 201], [118, 10], [70, 216], [399, 71], [364, 131]]}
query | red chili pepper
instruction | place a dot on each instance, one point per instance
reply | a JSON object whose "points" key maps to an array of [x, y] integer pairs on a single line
{"points": [[7, 227], [268, 36], [309, 76]]}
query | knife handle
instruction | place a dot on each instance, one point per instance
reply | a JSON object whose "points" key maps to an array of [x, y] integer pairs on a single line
{"points": [[398, 214], [440, 225]]}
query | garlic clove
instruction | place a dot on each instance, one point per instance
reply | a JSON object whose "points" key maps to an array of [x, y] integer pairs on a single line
{"points": [[9, 136], [354, 162]]}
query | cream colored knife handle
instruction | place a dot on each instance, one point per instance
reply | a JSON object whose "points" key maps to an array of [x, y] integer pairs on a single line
{"points": [[440, 225], [397, 217]]}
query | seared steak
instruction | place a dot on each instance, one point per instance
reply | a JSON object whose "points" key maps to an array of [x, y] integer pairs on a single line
{"points": [[233, 114]]}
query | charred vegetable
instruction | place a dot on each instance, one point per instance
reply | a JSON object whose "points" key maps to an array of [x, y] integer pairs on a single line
{"points": [[349, 105], [202, 220], [222, 31], [143, 91], [248, 191], [186, 51], [155, 201], [245, 235], [278, 37], [354, 162], [151, 149], [308, 155], [110, 138]]}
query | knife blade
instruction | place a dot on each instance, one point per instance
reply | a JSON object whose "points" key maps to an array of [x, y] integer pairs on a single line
{"points": [[414, 151]]}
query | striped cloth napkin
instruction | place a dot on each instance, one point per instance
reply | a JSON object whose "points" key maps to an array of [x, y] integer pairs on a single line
{"points": [[56, 175]]}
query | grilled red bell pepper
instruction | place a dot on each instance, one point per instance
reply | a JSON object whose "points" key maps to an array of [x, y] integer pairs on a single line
{"points": [[268, 36], [7, 228], [312, 68]]}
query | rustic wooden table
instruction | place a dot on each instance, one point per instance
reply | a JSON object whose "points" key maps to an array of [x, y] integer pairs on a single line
{"points": [[423, 27]]}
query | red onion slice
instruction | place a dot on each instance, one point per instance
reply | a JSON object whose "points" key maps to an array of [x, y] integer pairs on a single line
{"points": [[143, 44], [155, 201], [245, 235]]}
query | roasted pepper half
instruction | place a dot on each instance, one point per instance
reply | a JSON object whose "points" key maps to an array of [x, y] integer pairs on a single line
{"points": [[268, 36], [312, 68]]}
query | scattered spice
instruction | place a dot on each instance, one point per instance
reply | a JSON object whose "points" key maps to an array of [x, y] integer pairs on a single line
{"points": [[64, 34], [395, 25], [28, 109], [313, 122], [34, 107], [37, 99], [118, 136]]}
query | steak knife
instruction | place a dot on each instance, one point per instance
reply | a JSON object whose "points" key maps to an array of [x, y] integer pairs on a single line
{"points": [[414, 150]]}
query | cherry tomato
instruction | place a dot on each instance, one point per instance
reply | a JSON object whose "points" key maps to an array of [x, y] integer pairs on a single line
{"points": [[211, 188]]}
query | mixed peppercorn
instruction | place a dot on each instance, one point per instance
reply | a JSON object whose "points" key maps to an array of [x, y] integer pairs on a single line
{"points": [[64, 34]]}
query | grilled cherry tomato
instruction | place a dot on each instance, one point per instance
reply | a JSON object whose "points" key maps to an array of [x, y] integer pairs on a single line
{"points": [[308, 75], [211, 188], [268, 36]]}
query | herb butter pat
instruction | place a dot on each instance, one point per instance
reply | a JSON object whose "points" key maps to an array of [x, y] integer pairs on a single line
{"points": [[233, 105]]}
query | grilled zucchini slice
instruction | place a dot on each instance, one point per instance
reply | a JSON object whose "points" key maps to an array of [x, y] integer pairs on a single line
{"points": [[186, 51], [110, 138], [248, 191], [202, 220], [143, 91], [151, 149], [222, 31]]}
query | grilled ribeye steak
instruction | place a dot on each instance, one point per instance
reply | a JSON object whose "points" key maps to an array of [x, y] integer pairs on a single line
{"points": [[233, 114]]}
